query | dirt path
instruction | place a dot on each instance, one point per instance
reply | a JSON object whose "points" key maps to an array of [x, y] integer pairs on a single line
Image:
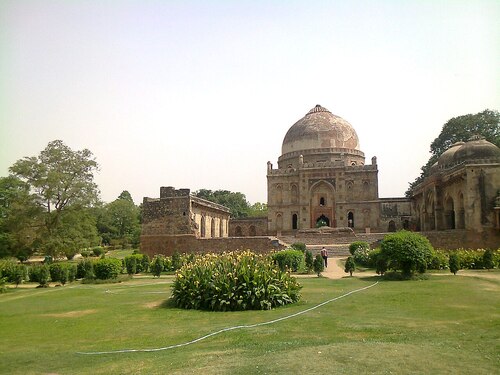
{"points": [[335, 269]]}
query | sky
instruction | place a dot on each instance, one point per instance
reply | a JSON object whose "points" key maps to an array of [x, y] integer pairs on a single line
{"points": [[200, 94]]}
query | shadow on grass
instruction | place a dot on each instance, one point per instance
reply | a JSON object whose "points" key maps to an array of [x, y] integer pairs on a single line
{"points": [[168, 304]]}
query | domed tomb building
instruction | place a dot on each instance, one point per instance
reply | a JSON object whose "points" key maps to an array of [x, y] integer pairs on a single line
{"points": [[462, 192], [322, 179]]}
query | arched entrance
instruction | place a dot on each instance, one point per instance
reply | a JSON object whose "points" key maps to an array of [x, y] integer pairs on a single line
{"points": [[322, 203], [212, 228], [350, 219], [238, 232], [392, 226], [202, 227], [252, 231], [295, 221], [320, 221], [449, 213]]}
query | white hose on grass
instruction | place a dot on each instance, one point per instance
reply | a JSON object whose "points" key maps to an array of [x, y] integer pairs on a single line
{"points": [[227, 329]]}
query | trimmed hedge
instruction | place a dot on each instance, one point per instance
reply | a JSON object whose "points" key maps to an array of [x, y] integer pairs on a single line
{"points": [[107, 268], [288, 259]]}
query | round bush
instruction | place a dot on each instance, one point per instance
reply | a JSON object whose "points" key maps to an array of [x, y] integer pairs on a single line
{"points": [[107, 268], [233, 281], [406, 251]]}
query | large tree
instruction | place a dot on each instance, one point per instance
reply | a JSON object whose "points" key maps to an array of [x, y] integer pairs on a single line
{"points": [[19, 218], [119, 221], [461, 128], [61, 181]]}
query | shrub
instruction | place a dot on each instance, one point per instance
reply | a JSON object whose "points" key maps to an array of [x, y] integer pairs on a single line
{"points": [[131, 264], [136, 263], [362, 256], [406, 251], [350, 265], [454, 263], [439, 260], [488, 261], [56, 272], [358, 245], [40, 274], [176, 261], [309, 261], [321, 223], [298, 246], [318, 264], [288, 259], [144, 263], [71, 272], [7, 269], [85, 269], [85, 253], [167, 264], [233, 281], [3, 286], [20, 274], [107, 268], [98, 251], [157, 265]]}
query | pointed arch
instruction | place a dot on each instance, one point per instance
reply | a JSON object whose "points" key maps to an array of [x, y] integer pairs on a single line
{"points": [[212, 228]]}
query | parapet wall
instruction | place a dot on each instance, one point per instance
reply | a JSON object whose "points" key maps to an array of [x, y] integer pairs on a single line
{"points": [[456, 239], [167, 245]]}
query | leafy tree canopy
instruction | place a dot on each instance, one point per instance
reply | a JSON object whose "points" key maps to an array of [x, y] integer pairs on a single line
{"points": [[461, 128], [236, 202], [119, 221], [61, 186]]}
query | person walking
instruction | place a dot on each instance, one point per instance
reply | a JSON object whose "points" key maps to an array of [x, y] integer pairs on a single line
{"points": [[324, 255]]}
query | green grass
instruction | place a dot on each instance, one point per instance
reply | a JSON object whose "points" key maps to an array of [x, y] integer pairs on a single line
{"points": [[120, 254], [445, 325]]}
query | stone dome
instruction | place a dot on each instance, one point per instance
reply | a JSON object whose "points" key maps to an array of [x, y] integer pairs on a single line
{"points": [[446, 157], [320, 129], [477, 148], [434, 168]]}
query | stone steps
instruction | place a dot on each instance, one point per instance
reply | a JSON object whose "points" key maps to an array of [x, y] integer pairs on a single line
{"points": [[336, 245]]}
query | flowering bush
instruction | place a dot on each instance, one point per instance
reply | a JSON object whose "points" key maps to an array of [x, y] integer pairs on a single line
{"points": [[358, 245], [361, 256], [233, 281]]}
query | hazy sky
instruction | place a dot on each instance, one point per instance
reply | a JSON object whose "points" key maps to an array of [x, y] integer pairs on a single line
{"points": [[200, 94]]}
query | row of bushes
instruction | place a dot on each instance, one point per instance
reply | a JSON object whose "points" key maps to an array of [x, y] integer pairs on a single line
{"points": [[90, 269], [412, 252]]}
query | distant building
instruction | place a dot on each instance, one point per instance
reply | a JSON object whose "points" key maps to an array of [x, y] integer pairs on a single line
{"points": [[179, 221]]}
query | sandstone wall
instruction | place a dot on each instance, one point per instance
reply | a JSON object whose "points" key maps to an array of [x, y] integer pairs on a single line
{"points": [[248, 227], [455, 239]]}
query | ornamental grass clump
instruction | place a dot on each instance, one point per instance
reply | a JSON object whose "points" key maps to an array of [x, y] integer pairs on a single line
{"points": [[233, 281]]}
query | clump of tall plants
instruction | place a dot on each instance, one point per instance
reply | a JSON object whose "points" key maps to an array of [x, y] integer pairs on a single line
{"points": [[233, 281]]}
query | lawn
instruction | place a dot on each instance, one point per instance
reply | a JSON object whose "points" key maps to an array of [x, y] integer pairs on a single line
{"points": [[444, 325]]}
